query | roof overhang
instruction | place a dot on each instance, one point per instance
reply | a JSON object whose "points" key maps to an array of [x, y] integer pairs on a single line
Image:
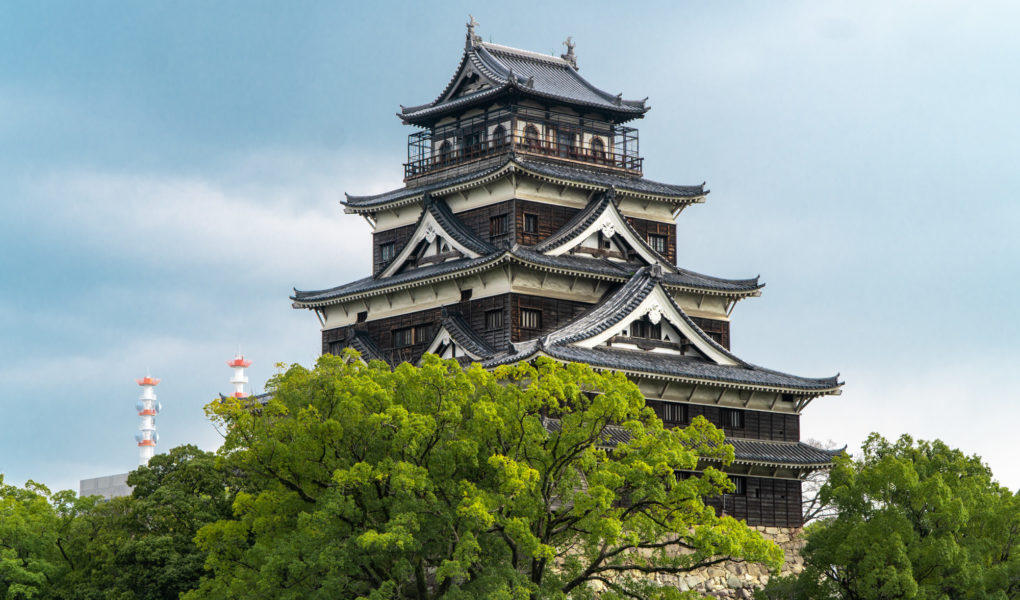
{"points": [[512, 166]]}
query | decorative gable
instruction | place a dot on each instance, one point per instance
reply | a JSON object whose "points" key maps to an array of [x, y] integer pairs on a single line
{"points": [[438, 237], [456, 339], [669, 331], [600, 230], [641, 315]]}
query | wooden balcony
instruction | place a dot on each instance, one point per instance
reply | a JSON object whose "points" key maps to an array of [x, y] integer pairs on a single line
{"points": [[525, 131]]}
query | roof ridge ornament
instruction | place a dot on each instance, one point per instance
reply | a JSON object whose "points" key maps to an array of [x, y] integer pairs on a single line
{"points": [[570, 57], [472, 39]]}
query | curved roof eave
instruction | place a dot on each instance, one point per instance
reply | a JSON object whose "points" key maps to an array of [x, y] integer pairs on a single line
{"points": [[369, 204], [510, 255], [537, 351]]}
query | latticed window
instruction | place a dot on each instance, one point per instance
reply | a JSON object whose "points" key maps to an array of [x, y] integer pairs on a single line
{"points": [[598, 148], [386, 252], [494, 319], [530, 223], [671, 413], [499, 136], [531, 318], [733, 419], [739, 485], [445, 152], [403, 337], [657, 242], [471, 143], [531, 139], [409, 336], [497, 225], [643, 328]]}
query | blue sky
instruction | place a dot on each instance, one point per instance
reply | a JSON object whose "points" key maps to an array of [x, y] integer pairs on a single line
{"points": [[169, 171]]}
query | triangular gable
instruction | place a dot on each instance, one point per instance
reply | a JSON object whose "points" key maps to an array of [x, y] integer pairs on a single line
{"points": [[603, 221], [456, 339], [467, 79], [659, 307], [437, 229], [445, 346], [642, 296]]}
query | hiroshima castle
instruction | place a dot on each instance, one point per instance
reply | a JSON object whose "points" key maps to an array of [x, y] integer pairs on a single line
{"points": [[525, 228]]}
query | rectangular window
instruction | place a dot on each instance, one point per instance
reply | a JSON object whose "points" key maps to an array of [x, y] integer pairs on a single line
{"points": [[386, 252], [739, 485], [530, 223], [657, 242], [497, 225], [494, 319], [409, 336], [645, 329], [670, 413], [734, 419], [403, 337], [531, 318]]}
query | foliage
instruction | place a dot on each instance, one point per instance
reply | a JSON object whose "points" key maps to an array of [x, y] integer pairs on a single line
{"points": [[142, 547], [436, 481], [915, 520], [139, 547], [31, 539], [812, 507]]}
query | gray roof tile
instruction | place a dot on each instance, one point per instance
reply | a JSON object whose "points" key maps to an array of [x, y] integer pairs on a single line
{"points": [[597, 267], [464, 335], [507, 69], [590, 177]]}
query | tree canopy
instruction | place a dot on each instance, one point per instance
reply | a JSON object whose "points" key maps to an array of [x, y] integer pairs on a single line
{"points": [[55, 545], [913, 520], [529, 481]]}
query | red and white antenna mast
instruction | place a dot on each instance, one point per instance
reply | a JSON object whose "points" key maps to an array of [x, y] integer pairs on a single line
{"points": [[148, 408], [239, 379]]}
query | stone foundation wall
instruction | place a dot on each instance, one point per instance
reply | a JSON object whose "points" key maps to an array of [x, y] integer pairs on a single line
{"points": [[739, 580]]}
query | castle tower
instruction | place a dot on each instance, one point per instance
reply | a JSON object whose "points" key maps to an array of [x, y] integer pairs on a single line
{"points": [[525, 228], [148, 407], [239, 380]]}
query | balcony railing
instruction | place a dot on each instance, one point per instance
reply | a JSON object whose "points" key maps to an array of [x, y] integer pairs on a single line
{"points": [[525, 131]]}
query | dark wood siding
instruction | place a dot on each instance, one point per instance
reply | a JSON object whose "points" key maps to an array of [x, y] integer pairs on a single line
{"points": [[645, 228], [758, 425], [765, 502], [716, 329], [550, 219], [381, 330], [398, 236], [555, 314], [477, 220]]}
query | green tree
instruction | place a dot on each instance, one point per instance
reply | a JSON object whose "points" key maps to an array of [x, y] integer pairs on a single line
{"points": [[914, 520], [142, 547], [33, 539], [532, 481]]}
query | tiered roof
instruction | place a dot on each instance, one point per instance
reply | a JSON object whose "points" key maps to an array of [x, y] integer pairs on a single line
{"points": [[485, 172], [490, 71], [642, 283], [482, 255]]}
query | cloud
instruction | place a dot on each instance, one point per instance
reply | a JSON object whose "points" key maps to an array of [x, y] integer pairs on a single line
{"points": [[269, 216]]}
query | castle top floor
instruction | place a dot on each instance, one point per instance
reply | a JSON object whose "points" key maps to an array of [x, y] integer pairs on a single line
{"points": [[503, 100]]}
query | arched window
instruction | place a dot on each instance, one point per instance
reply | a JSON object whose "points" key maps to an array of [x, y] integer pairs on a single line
{"points": [[499, 137], [598, 148], [445, 152], [471, 143], [531, 139]]}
